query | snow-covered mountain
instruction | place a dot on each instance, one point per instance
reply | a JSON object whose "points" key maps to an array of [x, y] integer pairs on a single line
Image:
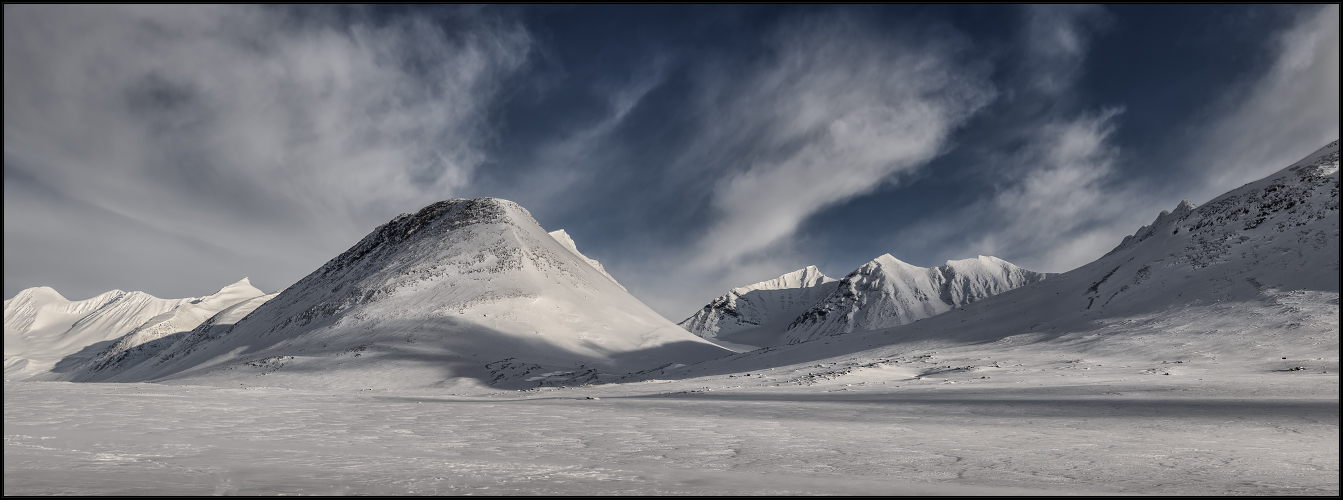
{"points": [[42, 327], [466, 289], [181, 319], [1278, 233], [757, 315], [1246, 284], [887, 292], [127, 359]]}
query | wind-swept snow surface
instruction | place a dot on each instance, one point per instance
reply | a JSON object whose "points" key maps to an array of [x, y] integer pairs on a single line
{"points": [[467, 291], [42, 327]]}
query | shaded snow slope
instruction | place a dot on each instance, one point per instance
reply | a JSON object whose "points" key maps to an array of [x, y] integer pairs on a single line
{"points": [[887, 292], [126, 360], [465, 291], [757, 315], [42, 327], [181, 319], [563, 237]]}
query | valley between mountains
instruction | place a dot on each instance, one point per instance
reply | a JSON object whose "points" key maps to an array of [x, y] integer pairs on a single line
{"points": [[466, 349]]}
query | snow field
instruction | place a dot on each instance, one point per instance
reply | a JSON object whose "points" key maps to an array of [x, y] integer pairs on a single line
{"points": [[1154, 436]]}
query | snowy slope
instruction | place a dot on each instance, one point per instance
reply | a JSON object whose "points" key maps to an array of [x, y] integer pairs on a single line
{"points": [[36, 323], [563, 237], [42, 328], [887, 292], [757, 315], [125, 359], [466, 291], [181, 319]]}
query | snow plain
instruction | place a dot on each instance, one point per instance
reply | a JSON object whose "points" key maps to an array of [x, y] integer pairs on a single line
{"points": [[1035, 429], [1198, 357]]}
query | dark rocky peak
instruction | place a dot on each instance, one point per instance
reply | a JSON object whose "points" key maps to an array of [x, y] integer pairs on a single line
{"points": [[433, 220]]}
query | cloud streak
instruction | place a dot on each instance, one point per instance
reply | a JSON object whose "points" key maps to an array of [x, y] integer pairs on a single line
{"points": [[1280, 116], [1058, 203], [299, 130], [836, 111]]}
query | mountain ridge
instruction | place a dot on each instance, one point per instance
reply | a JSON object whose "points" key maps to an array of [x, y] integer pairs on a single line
{"points": [[463, 290]]}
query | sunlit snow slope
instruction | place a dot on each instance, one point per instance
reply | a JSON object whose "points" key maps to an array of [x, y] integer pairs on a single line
{"points": [[43, 328], [563, 237], [466, 291]]}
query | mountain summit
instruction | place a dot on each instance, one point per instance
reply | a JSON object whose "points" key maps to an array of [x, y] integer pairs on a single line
{"points": [[755, 315], [465, 289]]}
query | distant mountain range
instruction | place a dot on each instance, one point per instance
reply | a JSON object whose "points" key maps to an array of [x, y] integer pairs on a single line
{"points": [[806, 305], [473, 291]]}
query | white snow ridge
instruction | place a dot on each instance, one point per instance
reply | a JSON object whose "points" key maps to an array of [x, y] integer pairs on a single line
{"points": [[887, 292], [806, 305], [42, 327]]}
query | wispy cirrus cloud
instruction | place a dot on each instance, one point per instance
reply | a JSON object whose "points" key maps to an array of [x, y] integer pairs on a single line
{"points": [[298, 129], [837, 110], [1056, 39], [1064, 198], [1059, 202], [1278, 117], [831, 107], [1064, 205]]}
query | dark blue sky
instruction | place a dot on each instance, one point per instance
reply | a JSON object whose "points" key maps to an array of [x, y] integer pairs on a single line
{"points": [[688, 148]]}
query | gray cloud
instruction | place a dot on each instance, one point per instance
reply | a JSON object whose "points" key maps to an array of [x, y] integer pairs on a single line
{"points": [[838, 111], [174, 150], [1056, 39], [1059, 202], [251, 129], [1063, 207], [1278, 117], [1064, 203]]}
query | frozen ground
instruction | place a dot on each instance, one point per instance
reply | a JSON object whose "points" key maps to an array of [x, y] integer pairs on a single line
{"points": [[1062, 427]]}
